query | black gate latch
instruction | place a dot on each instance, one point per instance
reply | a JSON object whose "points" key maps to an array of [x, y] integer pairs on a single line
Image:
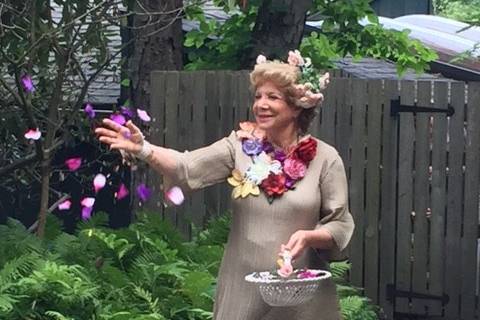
{"points": [[396, 108], [393, 293]]}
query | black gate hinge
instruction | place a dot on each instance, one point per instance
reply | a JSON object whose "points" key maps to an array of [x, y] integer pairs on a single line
{"points": [[393, 293], [396, 108]]}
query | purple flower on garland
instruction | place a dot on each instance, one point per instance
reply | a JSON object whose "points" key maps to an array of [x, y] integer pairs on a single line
{"points": [[289, 182], [27, 83], [89, 111], [252, 147], [143, 192], [267, 147], [279, 155]]}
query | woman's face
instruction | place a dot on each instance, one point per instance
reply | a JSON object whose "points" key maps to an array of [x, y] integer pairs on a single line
{"points": [[271, 110]]}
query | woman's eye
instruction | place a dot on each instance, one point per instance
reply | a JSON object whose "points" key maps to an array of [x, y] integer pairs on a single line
{"points": [[257, 97]]}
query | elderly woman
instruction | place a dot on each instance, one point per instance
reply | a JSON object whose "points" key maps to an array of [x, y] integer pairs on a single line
{"points": [[289, 195]]}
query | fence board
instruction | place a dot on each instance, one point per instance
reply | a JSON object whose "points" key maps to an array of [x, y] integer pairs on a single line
{"points": [[342, 127], [227, 105], [171, 130], [212, 120], [456, 146], [157, 137], [198, 139], [437, 219], [357, 190], [327, 127], [405, 197], [388, 196], [373, 187], [183, 143], [470, 219], [421, 201]]}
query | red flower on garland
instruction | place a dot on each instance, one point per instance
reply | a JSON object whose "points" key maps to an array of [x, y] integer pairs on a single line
{"points": [[306, 150], [274, 184]]}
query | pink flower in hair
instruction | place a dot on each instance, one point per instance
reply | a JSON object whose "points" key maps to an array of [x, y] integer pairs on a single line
{"points": [[324, 80], [295, 58]]}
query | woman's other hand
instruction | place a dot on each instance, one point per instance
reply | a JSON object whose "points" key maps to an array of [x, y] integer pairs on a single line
{"points": [[298, 242], [127, 138]]}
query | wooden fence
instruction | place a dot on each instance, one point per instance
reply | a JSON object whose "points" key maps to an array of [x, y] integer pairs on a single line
{"points": [[413, 177]]}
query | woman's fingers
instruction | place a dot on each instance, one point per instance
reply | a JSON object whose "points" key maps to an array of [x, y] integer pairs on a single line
{"points": [[112, 125], [106, 132], [133, 128]]}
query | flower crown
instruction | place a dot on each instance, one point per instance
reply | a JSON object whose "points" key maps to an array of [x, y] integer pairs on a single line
{"points": [[310, 84]]}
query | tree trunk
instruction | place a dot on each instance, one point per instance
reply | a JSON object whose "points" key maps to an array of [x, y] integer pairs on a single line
{"points": [[278, 29], [157, 46], [44, 197]]}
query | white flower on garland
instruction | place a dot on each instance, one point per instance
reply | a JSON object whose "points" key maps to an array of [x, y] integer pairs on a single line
{"points": [[261, 168]]}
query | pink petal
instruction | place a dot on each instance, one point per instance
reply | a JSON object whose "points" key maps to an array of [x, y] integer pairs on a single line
{"points": [[88, 202], [65, 205], [142, 114], [118, 118], [86, 213], [122, 192], [99, 182], [175, 195], [73, 163], [33, 134]]}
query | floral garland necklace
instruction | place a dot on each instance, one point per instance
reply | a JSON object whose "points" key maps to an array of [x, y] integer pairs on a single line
{"points": [[273, 171]]}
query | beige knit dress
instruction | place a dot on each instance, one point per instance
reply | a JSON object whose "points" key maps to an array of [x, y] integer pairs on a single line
{"points": [[259, 228]]}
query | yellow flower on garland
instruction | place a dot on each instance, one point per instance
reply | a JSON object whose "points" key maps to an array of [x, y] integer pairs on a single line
{"points": [[241, 186]]}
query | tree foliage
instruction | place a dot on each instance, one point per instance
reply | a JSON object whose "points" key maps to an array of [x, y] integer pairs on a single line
{"points": [[219, 45]]}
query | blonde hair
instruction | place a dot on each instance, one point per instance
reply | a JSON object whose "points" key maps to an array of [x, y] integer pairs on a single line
{"points": [[285, 77]]}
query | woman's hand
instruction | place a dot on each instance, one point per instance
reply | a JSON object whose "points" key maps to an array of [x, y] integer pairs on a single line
{"points": [[298, 242], [127, 138]]}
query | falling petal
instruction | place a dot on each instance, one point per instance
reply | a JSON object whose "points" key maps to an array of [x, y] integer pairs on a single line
{"points": [[99, 182], [143, 192], [88, 202], [127, 134], [27, 83], [127, 112], [73, 163], [89, 111], [65, 205], [175, 195], [33, 134], [142, 114], [86, 213], [122, 192], [118, 118]]}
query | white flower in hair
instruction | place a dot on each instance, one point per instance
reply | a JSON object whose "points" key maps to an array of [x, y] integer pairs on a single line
{"points": [[324, 80], [261, 59], [308, 62]]}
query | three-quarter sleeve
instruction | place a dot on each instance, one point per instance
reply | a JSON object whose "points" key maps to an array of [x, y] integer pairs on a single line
{"points": [[204, 166], [335, 216]]}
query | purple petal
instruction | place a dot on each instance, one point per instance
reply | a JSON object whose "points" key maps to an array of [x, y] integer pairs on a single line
{"points": [[65, 205], [143, 192], [73, 163], [118, 118], [86, 213], [127, 112], [27, 83], [175, 195], [33, 134], [142, 114], [122, 192], [99, 182], [89, 111]]}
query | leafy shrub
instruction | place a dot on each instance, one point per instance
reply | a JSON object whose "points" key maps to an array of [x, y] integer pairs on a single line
{"points": [[142, 272]]}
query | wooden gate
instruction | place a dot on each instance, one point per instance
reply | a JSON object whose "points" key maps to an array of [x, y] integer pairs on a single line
{"points": [[413, 175]]}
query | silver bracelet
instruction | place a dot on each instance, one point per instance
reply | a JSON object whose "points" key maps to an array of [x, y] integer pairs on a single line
{"points": [[145, 151]]}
